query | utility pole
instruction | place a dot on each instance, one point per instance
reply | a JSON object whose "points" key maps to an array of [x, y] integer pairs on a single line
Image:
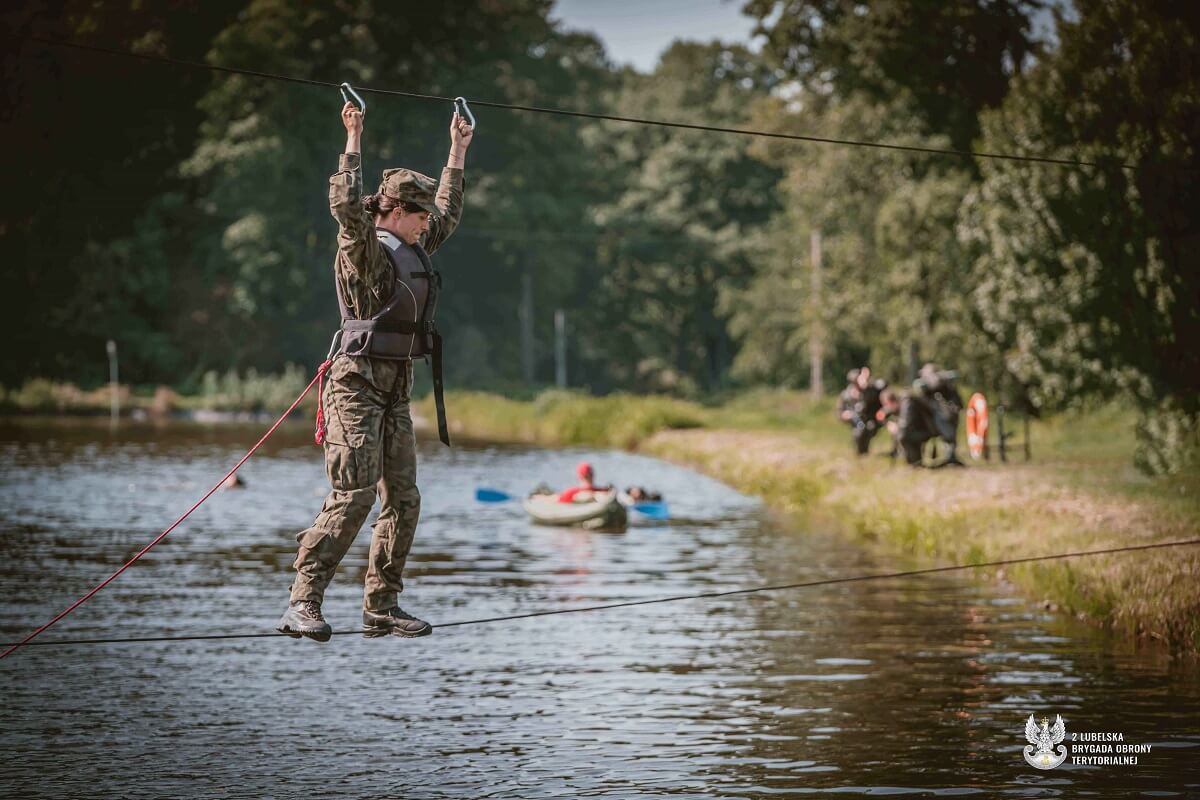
{"points": [[560, 349], [114, 386], [816, 335], [526, 314]]}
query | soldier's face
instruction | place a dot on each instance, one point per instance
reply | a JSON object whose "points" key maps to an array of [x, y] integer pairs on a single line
{"points": [[410, 226]]}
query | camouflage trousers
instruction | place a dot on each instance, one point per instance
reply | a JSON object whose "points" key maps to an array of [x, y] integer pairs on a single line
{"points": [[370, 450]]}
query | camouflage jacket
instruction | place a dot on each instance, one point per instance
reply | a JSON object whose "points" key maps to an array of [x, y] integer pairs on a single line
{"points": [[362, 269]]}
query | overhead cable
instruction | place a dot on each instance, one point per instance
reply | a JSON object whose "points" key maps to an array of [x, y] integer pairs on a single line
{"points": [[563, 112]]}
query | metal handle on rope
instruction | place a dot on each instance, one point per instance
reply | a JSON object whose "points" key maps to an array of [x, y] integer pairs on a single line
{"points": [[348, 92], [333, 345], [464, 111]]}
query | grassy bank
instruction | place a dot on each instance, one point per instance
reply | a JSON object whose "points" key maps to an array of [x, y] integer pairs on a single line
{"points": [[1080, 492], [222, 392]]}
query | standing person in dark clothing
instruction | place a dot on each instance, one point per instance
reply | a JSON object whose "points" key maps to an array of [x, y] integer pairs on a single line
{"points": [[849, 398], [386, 288], [931, 411], [859, 405], [889, 416]]}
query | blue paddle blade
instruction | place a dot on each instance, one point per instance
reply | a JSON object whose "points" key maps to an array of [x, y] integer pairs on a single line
{"points": [[653, 510], [492, 496]]}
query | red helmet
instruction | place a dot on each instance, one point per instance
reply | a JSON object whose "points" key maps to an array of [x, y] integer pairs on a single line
{"points": [[584, 470]]}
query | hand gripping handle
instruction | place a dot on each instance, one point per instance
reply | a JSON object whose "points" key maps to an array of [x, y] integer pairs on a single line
{"points": [[348, 92], [464, 111]]}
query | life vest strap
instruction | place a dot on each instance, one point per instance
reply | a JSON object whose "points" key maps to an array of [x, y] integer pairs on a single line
{"points": [[418, 328], [439, 399]]}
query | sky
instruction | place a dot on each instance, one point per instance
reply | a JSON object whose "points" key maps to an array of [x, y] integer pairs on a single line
{"points": [[637, 31]]}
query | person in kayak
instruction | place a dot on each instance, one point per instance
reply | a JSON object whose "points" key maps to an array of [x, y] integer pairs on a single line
{"points": [[381, 270], [640, 494], [586, 489]]}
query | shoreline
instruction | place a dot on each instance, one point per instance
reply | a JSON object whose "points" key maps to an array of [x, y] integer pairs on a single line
{"points": [[1079, 493], [968, 516]]}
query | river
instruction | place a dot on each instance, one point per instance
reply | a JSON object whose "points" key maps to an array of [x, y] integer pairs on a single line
{"points": [[917, 686]]}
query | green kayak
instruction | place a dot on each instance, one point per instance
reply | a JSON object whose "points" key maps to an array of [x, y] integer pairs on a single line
{"points": [[602, 513]]}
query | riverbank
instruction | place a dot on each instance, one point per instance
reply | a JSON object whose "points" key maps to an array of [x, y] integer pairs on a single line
{"points": [[1080, 492], [215, 397]]}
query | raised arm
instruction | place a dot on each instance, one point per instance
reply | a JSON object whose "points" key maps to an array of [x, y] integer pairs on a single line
{"points": [[449, 200], [355, 227]]}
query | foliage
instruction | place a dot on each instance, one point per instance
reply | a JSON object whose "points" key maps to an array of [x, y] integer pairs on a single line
{"points": [[681, 223], [193, 228], [91, 142], [558, 417], [251, 391], [892, 279], [948, 60], [1087, 279]]}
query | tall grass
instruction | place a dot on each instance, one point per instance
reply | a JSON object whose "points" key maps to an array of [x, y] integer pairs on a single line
{"points": [[227, 392], [560, 417], [250, 391]]}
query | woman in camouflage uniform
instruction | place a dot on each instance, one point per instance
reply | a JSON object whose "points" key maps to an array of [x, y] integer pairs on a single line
{"points": [[383, 245]]}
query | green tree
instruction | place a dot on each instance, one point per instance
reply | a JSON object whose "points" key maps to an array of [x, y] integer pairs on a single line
{"points": [[682, 223], [266, 241], [1088, 279], [893, 278], [947, 60], [90, 141]]}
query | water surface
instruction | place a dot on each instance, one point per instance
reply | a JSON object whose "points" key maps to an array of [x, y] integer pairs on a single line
{"points": [[915, 686]]}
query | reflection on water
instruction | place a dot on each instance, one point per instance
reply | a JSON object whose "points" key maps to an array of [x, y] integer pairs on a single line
{"points": [[914, 686]]}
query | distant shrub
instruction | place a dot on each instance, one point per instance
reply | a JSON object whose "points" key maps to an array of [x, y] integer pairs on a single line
{"points": [[232, 391], [564, 417], [1168, 441]]}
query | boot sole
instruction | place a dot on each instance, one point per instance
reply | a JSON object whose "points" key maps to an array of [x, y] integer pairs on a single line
{"points": [[315, 636], [372, 632]]}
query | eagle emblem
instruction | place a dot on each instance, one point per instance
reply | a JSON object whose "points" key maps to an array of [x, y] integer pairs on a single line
{"points": [[1040, 752]]}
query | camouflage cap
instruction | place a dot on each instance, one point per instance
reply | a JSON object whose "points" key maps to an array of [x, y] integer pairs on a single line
{"points": [[410, 187]]}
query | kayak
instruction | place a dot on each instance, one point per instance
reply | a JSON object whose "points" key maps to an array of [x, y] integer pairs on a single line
{"points": [[604, 513]]}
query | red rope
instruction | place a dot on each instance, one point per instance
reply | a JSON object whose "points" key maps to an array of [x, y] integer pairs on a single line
{"points": [[316, 379], [320, 434]]}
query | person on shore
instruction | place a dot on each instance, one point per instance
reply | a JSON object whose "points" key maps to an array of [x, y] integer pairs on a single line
{"points": [[386, 288], [931, 411], [889, 417], [848, 400], [586, 489], [859, 405]]}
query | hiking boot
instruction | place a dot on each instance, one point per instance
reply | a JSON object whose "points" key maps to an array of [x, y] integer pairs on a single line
{"points": [[394, 621], [303, 618]]}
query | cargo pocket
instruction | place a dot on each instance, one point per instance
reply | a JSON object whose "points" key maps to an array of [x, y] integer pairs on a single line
{"points": [[407, 377], [349, 410], [312, 557]]}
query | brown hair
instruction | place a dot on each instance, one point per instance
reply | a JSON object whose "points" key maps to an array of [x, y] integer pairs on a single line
{"points": [[380, 204]]}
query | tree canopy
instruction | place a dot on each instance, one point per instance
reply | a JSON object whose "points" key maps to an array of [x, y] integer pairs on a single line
{"points": [[182, 212]]}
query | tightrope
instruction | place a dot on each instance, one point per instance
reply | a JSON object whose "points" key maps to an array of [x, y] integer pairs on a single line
{"points": [[630, 603], [563, 112], [12, 646]]}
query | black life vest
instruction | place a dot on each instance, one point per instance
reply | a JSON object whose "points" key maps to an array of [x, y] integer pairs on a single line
{"points": [[404, 328]]}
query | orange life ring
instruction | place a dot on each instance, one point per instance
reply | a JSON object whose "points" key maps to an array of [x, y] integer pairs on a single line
{"points": [[977, 425]]}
